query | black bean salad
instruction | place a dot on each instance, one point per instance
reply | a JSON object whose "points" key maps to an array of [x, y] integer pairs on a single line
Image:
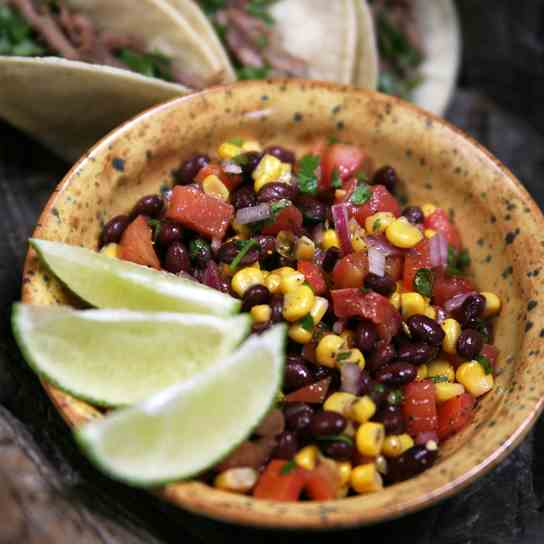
{"points": [[390, 342]]}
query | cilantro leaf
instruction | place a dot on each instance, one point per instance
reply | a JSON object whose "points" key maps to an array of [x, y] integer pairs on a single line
{"points": [[337, 438], [236, 141], [246, 245], [458, 261], [343, 355], [361, 194], [246, 73], [439, 379], [361, 176], [212, 6], [423, 282], [288, 467], [395, 397], [486, 363], [307, 177], [155, 224], [307, 323], [336, 182], [148, 64], [259, 9]]}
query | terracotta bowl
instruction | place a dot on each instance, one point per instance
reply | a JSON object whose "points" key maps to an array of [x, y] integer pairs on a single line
{"points": [[501, 225]]}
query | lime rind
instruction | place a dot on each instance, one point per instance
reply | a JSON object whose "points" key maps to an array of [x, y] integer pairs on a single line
{"points": [[83, 352], [182, 431], [106, 282]]}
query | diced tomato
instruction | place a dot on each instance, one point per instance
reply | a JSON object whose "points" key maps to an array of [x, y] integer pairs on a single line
{"points": [[454, 414], [314, 393], [491, 352], [323, 482], [196, 210], [394, 266], [446, 287], [440, 222], [377, 308], [418, 257], [313, 276], [231, 181], [348, 186], [419, 407], [347, 160], [273, 485], [136, 244], [351, 270], [380, 201], [289, 218], [422, 438]]}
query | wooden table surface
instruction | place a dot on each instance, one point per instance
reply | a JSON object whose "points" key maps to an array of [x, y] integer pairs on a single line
{"points": [[48, 491]]}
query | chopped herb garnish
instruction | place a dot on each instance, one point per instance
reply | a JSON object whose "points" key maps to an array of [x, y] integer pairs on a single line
{"points": [[333, 140], [212, 6], [361, 176], [376, 225], [307, 323], [337, 438], [336, 182], [259, 9], [423, 282], [261, 41], [481, 326], [342, 356], [395, 397], [278, 206], [364, 290], [486, 363], [147, 64], [361, 194], [155, 224], [458, 261], [439, 379], [252, 72], [288, 467], [241, 160], [307, 177], [199, 249], [379, 388], [17, 37], [237, 141], [246, 246]]}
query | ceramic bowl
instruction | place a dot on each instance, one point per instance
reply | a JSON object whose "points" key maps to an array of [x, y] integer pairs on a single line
{"points": [[500, 224]]}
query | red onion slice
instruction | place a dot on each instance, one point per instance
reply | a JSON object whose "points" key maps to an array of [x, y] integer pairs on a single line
{"points": [[438, 250], [252, 214], [216, 244], [339, 325], [455, 302], [350, 376], [376, 262], [211, 276], [231, 167], [381, 244], [340, 217]]}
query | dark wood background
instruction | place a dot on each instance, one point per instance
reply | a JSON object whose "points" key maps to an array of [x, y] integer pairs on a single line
{"points": [[50, 494]]}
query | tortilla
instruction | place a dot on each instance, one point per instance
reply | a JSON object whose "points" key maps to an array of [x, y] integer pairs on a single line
{"points": [[367, 64]]}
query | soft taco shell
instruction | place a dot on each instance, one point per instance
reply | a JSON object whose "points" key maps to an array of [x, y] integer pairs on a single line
{"points": [[367, 64]]}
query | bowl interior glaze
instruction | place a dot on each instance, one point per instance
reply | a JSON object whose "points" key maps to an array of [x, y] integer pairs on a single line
{"points": [[499, 222]]}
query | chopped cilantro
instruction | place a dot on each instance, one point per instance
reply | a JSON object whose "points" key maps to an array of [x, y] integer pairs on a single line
{"points": [[276, 207], [481, 326], [361, 176], [259, 9], [288, 467], [17, 37], [486, 363], [343, 355], [458, 261], [261, 41], [307, 323], [439, 379], [376, 225], [336, 182], [246, 245], [148, 64], [423, 282], [361, 194], [307, 177], [155, 224], [364, 290], [333, 140], [379, 388], [237, 141], [395, 397], [337, 438], [252, 72], [199, 248], [212, 6], [241, 159]]}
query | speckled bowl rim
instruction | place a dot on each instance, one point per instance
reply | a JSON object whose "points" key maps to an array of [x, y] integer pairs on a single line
{"points": [[417, 493]]}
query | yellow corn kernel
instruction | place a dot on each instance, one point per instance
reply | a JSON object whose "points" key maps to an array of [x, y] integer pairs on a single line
{"points": [[394, 299], [347, 335], [242, 230], [290, 281], [472, 375], [272, 282], [237, 480], [445, 391], [353, 355], [369, 438], [284, 271], [261, 313], [344, 471], [411, 303], [328, 347], [428, 209], [362, 409], [430, 311], [452, 331], [213, 186], [257, 265], [246, 278], [401, 233], [422, 372], [339, 402], [268, 170], [492, 304], [366, 479], [111, 250], [330, 239], [319, 309], [299, 334], [339, 194], [395, 445], [307, 457], [378, 222], [251, 145], [429, 233], [441, 368], [304, 249], [228, 151], [358, 243], [297, 303]]}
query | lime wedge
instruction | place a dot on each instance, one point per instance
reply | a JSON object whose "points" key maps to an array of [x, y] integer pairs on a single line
{"points": [[106, 282], [118, 357], [188, 428]]}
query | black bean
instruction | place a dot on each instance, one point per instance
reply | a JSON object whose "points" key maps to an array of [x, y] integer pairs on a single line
{"points": [[244, 197], [177, 258], [411, 463], [287, 445], [312, 209], [365, 335], [276, 303], [169, 233], [414, 214], [253, 296], [276, 191], [187, 172], [382, 354], [472, 308], [469, 344], [201, 252], [286, 261], [387, 176], [298, 416], [327, 423], [296, 374], [425, 329], [396, 373], [229, 250], [113, 229], [338, 450], [391, 417], [378, 393], [150, 205], [416, 353], [482, 326], [284, 155], [331, 258], [384, 285], [366, 383], [249, 162]]}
